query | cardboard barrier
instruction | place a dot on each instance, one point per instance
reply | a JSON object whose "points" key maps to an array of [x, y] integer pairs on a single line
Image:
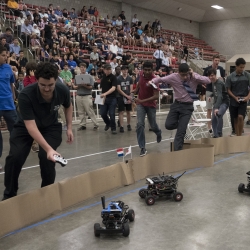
{"points": [[37, 205]]}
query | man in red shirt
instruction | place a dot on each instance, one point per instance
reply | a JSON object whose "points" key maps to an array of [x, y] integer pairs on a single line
{"points": [[146, 105]]}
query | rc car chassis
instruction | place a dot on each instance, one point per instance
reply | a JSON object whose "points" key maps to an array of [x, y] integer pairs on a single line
{"points": [[242, 188], [161, 186], [114, 218]]}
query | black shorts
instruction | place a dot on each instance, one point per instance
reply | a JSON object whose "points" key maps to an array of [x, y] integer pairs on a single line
{"points": [[240, 110], [122, 105]]}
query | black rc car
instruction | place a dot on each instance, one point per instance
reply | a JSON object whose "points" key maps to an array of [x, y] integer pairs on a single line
{"points": [[114, 218], [242, 188], [161, 186]]}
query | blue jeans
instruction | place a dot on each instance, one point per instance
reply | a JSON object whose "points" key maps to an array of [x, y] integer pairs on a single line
{"points": [[151, 114], [109, 107], [10, 117], [217, 121]]}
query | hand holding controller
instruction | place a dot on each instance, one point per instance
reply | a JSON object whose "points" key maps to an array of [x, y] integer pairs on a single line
{"points": [[60, 160]]}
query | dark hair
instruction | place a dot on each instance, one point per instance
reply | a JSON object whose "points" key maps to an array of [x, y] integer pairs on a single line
{"points": [[8, 29], [2, 48], [211, 72], [30, 66], [21, 51], [240, 61], [216, 56], [83, 65], [183, 68], [20, 73], [2, 38], [147, 65], [46, 70], [73, 9], [65, 64]]}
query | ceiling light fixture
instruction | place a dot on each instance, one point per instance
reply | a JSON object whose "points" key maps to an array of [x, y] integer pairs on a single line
{"points": [[217, 7]]}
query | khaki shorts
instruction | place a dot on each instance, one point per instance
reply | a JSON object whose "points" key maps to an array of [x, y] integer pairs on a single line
{"points": [[209, 103]]}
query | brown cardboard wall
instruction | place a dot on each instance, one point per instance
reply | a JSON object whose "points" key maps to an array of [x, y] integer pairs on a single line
{"points": [[36, 205]]}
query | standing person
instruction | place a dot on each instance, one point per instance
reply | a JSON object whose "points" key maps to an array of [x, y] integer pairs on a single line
{"points": [[38, 106], [219, 73], [7, 95], [221, 102], [238, 85], [146, 105], [184, 84], [124, 87], [158, 55], [84, 100], [108, 86]]}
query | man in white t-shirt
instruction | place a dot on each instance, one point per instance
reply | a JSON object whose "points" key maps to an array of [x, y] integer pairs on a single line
{"points": [[166, 62], [135, 19]]}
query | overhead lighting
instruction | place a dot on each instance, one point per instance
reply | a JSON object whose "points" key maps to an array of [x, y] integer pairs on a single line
{"points": [[217, 7]]}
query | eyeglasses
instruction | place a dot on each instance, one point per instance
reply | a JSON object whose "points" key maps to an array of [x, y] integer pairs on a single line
{"points": [[44, 86]]}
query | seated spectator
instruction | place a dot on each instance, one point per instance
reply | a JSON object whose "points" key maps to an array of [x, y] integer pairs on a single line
{"points": [[55, 60], [36, 30], [52, 17], [94, 54], [55, 39], [72, 64], [113, 49], [184, 59], [145, 41], [14, 47], [166, 62], [92, 65], [121, 36], [88, 22], [4, 44], [13, 7], [91, 36], [35, 45], [105, 48], [197, 52], [50, 8], [113, 23], [65, 13], [36, 14], [127, 59], [19, 83], [108, 21], [43, 14], [147, 26], [139, 31], [119, 50], [45, 53], [91, 10], [134, 19], [30, 74], [114, 64], [8, 35], [20, 4], [122, 16], [26, 31], [73, 14], [66, 75], [22, 60], [12, 60], [25, 12], [58, 13], [64, 61]]}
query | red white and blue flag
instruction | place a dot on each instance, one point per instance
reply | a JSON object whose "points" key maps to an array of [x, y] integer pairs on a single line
{"points": [[120, 152]]}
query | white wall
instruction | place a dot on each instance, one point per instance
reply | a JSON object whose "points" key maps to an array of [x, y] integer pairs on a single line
{"points": [[229, 37]]}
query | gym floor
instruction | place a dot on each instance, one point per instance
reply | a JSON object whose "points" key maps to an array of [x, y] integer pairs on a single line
{"points": [[212, 214]]}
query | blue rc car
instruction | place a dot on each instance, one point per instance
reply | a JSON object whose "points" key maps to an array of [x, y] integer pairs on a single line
{"points": [[114, 218]]}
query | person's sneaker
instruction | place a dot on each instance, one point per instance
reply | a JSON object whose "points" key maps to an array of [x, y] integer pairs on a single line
{"points": [[81, 128], [35, 147], [233, 134], [143, 152], [106, 127], [158, 138], [129, 127], [96, 127], [210, 131], [248, 122], [114, 132], [118, 124], [64, 127], [121, 130]]}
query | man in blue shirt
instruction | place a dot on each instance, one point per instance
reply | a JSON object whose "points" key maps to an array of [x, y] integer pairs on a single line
{"points": [[26, 31], [14, 47], [73, 14], [7, 95]]}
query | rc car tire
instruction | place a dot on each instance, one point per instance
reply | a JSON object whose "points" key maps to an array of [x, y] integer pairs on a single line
{"points": [[125, 229], [241, 187], [96, 229], [150, 200], [178, 196], [143, 193], [131, 215]]}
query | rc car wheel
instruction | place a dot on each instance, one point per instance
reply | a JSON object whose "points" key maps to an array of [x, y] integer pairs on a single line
{"points": [[131, 215], [150, 200], [241, 187], [143, 192], [178, 196], [125, 230], [96, 229]]}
